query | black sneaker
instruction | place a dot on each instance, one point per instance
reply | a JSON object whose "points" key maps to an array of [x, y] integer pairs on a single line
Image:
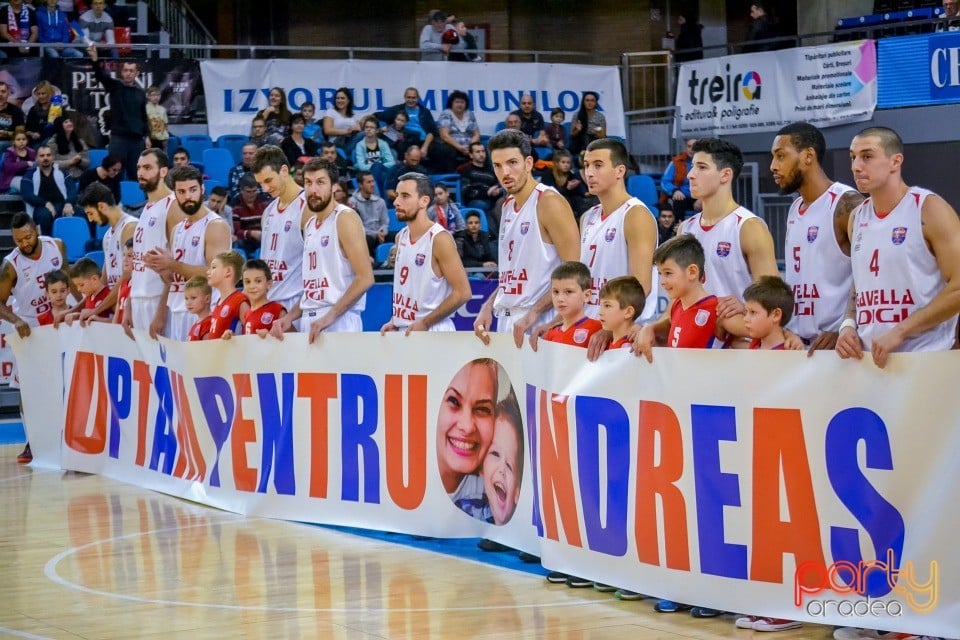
{"points": [[490, 545], [529, 557], [578, 583], [25, 456], [704, 612], [555, 577]]}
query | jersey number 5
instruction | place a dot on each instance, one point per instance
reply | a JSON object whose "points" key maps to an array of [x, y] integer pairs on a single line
{"points": [[796, 259]]}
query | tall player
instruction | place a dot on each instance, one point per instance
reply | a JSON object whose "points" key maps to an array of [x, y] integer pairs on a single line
{"points": [[195, 242], [23, 274], [336, 262], [281, 239], [101, 208], [429, 283], [817, 243], [154, 230], [906, 256], [537, 232]]}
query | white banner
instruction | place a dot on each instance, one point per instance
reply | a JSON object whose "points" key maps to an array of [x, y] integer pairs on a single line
{"points": [[826, 86], [237, 89], [762, 482]]}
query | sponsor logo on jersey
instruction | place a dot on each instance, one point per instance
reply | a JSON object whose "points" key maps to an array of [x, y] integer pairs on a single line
{"points": [[610, 234], [287, 225], [524, 227], [194, 241], [580, 336], [324, 241], [420, 259], [701, 318], [723, 249], [899, 235], [812, 233]]}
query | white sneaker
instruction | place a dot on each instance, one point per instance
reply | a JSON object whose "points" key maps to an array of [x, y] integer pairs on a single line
{"points": [[745, 622]]}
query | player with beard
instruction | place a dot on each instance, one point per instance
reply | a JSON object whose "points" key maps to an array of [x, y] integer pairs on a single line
{"points": [[23, 275], [429, 283], [537, 232], [195, 242], [154, 230], [817, 244], [336, 263], [101, 209], [281, 238]]}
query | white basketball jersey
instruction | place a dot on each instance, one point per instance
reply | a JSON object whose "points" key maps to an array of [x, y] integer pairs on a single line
{"points": [[189, 247], [725, 269], [417, 290], [603, 248], [326, 271], [817, 270], [151, 233], [30, 292], [525, 260], [281, 246], [895, 274], [113, 249]]}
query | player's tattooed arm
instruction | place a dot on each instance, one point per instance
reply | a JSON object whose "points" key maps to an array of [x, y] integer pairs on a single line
{"points": [[847, 204]]}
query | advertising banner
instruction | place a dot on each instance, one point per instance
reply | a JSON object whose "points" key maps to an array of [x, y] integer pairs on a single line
{"points": [[919, 70]]}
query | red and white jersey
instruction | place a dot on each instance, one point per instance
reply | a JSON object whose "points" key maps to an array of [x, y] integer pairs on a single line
{"points": [[757, 344], [113, 249], [525, 260], [326, 271], [620, 343], [151, 233], [603, 248], [262, 317], [30, 292], [417, 290], [576, 335], [817, 270], [895, 274], [92, 302], [726, 270], [225, 316], [189, 247], [200, 329], [123, 294], [694, 327], [281, 247]]}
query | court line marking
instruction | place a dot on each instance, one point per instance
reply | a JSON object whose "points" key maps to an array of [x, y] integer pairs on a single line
{"points": [[50, 571], [22, 634]]}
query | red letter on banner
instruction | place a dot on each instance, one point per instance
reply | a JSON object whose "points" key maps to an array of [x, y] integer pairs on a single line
{"points": [[141, 373], [242, 432], [190, 462], [87, 373], [556, 478], [406, 495], [320, 388]]}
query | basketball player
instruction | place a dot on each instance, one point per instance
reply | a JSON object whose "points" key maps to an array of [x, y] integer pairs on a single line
{"points": [[537, 232], [429, 283], [101, 209], [817, 243], [153, 231], [195, 242], [335, 262], [281, 240], [906, 255]]}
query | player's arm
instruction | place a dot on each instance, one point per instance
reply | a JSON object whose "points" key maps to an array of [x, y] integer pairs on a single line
{"points": [[8, 280], [559, 228], [447, 262], [757, 245], [734, 326], [353, 243], [640, 229], [842, 215], [645, 339], [109, 302], [216, 241]]}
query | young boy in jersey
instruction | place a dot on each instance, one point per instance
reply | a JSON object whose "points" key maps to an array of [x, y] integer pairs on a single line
{"points": [[503, 464], [769, 305], [86, 278], [570, 287], [58, 289], [621, 302], [196, 298], [263, 312], [123, 287], [224, 276]]}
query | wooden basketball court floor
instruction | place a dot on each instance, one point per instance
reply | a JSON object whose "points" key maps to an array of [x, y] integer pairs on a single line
{"points": [[83, 556]]}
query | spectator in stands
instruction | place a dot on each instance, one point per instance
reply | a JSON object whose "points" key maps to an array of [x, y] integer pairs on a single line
{"points": [[531, 121], [764, 27], [70, 8], [258, 131], [47, 199], [70, 152], [217, 202], [458, 130], [181, 158], [556, 134], [420, 123], [331, 154], [39, 126], [157, 117], [689, 42], [54, 28], [410, 164], [97, 26], [276, 116], [296, 145], [479, 186], [432, 46], [372, 209], [107, 173], [675, 182], [666, 224], [341, 192], [11, 117], [248, 211], [373, 154], [475, 246], [565, 179], [247, 153], [17, 160], [396, 135], [589, 123], [468, 43], [512, 121], [444, 211], [18, 23], [129, 129], [311, 128], [950, 18], [339, 124]]}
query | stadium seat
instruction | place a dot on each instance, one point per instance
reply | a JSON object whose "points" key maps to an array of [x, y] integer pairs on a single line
{"points": [[643, 187], [131, 195], [102, 231], [500, 127], [97, 156], [451, 181], [210, 184], [96, 256], [383, 252], [195, 144], [544, 153], [484, 225], [74, 233], [218, 163], [233, 143], [394, 224], [173, 143]]}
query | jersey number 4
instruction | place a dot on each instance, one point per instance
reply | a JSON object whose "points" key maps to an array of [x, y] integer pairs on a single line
{"points": [[875, 263]]}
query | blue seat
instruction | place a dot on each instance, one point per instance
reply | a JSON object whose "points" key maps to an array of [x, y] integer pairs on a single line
{"points": [[102, 231], [97, 156], [196, 144], [131, 195], [74, 233], [544, 153], [173, 143], [210, 184], [233, 143], [394, 224], [383, 252], [484, 225], [449, 180], [96, 256], [500, 127], [859, 21], [643, 187], [218, 163]]}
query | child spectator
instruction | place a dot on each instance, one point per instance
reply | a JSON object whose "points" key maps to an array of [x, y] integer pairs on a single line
{"points": [[373, 154], [769, 307], [570, 284], [474, 244], [17, 160], [556, 134], [123, 292], [196, 298], [621, 302], [311, 128], [256, 283], [58, 290], [395, 134], [86, 279], [445, 212], [157, 119], [224, 275], [503, 464]]}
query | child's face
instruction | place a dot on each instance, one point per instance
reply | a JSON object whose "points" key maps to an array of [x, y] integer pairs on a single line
{"points": [[154, 97], [307, 112], [500, 482], [255, 284], [196, 301], [127, 261], [441, 196], [557, 118], [400, 121], [87, 286], [758, 321], [675, 280], [217, 273], [465, 423], [613, 317], [57, 293], [568, 297]]}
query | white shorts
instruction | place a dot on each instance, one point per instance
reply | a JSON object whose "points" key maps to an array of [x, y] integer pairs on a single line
{"points": [[142, 312], [348, 322], [506, 318], [179, 324]]}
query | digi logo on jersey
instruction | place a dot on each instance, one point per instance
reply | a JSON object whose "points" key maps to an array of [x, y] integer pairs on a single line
{"points": [[724, 88]]}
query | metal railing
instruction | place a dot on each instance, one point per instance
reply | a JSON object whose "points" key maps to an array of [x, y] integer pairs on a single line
{"points": [[773, 208], [183, 26]]}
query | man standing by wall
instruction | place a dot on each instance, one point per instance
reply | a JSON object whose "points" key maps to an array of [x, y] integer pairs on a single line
{"points": [[129, 126]]}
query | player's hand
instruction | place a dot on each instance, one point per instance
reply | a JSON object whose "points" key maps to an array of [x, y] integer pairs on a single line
{"points": [[538, 332], [598, 344], [127, 325], [23, 329], [481, 326], [849, 344], [419, 325], [280, 326], [643, 343], [886, 344], [159, 324], [227, 335], [262, 333], [70, 317], [85, 316], [824, 341], [729, 306], [522, 325], [319, 325], [792, 342], [388, 327], [158, 259]]}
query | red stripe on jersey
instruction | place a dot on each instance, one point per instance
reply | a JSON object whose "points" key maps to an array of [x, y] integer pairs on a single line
{"points": [[577, 335]]}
